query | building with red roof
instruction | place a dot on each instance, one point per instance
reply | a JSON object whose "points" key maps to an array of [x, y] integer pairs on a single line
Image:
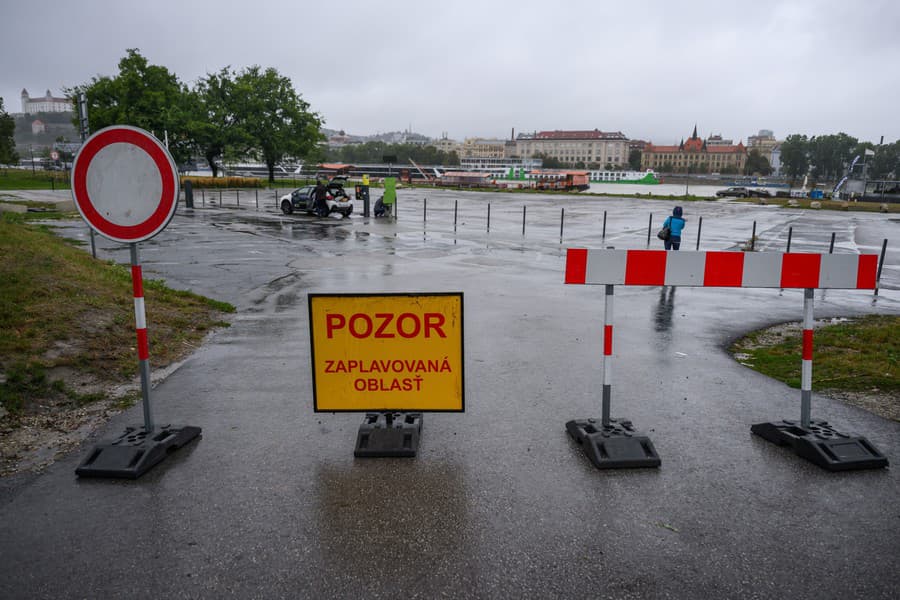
{"points": [[695, 155]]}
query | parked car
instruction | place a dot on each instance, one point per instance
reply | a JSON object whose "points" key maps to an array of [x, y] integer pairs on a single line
{"points": [[302, 199], [760, 192], [739, 192]]}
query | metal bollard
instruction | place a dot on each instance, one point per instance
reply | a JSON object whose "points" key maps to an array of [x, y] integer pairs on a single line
{"points": [[523, 219], [649, 228], [880, 265], [790, 234], [455, 207], [831, 246], [753, 238], [604, 225], [699, 228], [188, 194], [489, 218], [562, 218]]}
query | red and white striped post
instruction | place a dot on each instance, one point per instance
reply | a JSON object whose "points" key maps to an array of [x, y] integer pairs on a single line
{"points": [[806, 367], [140, 326], [607, 353]]}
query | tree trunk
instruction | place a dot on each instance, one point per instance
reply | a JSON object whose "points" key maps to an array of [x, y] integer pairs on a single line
{"points": [[211, 160]]}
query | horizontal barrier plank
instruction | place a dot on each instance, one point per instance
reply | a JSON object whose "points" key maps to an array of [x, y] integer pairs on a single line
{"points": [[721, 269]]}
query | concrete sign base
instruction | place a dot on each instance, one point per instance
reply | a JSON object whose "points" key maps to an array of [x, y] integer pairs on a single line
{"points": [[613, 446], [389, 435], [135, 452], [821, 444]]}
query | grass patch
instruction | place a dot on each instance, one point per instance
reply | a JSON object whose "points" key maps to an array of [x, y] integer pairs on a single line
{"points": [[62, 310], [25, 179], [858, 355]]}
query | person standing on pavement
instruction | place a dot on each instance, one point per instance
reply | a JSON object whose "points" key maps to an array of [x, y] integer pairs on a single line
{"points": [[319, 194], [675, 223]]}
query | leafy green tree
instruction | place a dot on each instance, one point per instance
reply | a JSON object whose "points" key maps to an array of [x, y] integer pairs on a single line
{"points": [[757, 163], [143, 95], [277, 122], [8, 153], [549, 162], [886, 162], [634, 159], [795, 155], [372, 152], [213, 122], [830, 155]]}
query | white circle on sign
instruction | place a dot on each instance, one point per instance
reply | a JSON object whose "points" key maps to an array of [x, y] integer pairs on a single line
{"points": [[118, 178]]}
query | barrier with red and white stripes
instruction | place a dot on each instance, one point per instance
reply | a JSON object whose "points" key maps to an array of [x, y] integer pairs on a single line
{"points": [[721, 269], [805, 271]]}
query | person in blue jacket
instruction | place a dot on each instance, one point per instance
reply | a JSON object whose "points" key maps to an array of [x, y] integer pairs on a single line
{"points": [[675, 223]]}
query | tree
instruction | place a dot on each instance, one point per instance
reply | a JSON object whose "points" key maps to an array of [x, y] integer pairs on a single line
{"points": [[8, 154], [831, 154], [794, 155], [634, 159], [213, 122], [549, 162], [757, 163], [276, 121], [143, 95], [886, 162]]}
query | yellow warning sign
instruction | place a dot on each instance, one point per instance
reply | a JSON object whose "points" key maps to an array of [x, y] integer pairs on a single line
{"points": [[384, 352]]}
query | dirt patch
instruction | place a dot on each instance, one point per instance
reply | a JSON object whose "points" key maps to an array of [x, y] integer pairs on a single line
{"points": [[53, 425]]}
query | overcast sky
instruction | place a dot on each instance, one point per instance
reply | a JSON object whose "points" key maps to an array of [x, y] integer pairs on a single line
{"points": [[648, 68]]}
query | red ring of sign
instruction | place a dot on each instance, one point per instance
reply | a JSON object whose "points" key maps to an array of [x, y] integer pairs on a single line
{"points": [[168, 197]]}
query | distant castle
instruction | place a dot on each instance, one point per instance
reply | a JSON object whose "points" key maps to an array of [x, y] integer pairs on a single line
{"points": [[46, 104]]}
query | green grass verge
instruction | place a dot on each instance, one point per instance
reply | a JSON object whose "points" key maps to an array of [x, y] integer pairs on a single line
{"points": [[60, 308], [23, 179], [857, 355]]}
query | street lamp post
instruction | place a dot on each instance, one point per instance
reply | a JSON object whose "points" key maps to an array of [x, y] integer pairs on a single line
{"points": [[31, 151]]}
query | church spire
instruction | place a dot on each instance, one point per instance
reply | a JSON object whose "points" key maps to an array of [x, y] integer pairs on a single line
{"points": [[694, 135]]}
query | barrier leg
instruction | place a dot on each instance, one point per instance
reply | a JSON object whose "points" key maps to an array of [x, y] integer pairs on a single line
{"points": [[813, 439], [388, 434], [607, 355], [612, 443], [806, 361]]}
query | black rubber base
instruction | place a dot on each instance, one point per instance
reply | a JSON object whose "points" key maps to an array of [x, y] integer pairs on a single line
{"points": [[613, 446], [388, 435], [821, 444], [134, 452]]}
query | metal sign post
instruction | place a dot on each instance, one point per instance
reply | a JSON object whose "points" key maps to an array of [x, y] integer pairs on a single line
{"points": [[125, 185], [140, 326], [85, 132]]}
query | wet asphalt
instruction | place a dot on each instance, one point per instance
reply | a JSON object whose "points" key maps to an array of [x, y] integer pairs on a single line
{"points": [[499, 502]]}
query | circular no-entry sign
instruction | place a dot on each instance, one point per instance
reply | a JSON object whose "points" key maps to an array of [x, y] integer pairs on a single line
{"points": [[125, 184]]}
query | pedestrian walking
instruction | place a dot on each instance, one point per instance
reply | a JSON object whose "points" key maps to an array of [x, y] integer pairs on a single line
{"points": [[675, 224]]}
